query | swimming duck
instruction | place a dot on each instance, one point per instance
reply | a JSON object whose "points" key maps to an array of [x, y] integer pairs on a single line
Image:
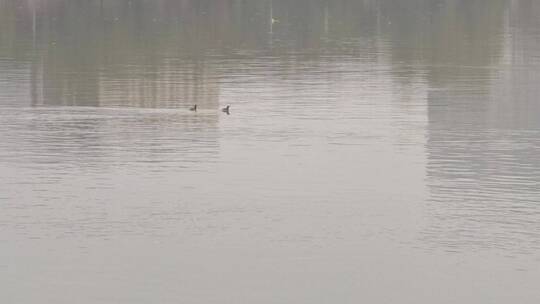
{"points": [[194, 108], [226, 109]]}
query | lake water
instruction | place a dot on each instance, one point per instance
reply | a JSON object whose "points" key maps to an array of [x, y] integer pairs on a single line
{"points": [[376, 151]]}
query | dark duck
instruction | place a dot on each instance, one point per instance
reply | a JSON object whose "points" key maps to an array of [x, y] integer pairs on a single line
{"points": [[226, 109]]}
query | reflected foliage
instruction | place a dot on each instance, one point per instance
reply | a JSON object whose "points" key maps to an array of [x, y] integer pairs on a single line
{"points": [[155, 53]]}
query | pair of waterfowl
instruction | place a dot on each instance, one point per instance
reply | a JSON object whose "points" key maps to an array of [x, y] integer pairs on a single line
{"points": [[225, 110]]}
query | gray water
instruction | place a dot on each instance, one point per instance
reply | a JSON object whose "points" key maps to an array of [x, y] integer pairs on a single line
{"points": [[376, 151]]}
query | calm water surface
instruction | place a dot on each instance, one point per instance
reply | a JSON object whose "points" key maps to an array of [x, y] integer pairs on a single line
{"points": [[377, 151]]}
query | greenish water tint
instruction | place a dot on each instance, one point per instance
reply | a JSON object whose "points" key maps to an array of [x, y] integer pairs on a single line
{"points": [[376, 151]]}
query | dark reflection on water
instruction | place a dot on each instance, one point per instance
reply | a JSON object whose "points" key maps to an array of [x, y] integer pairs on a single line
{"points": [[359, 131]]}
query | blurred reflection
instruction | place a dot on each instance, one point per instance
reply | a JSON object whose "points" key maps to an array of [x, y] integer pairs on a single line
{"points": [[483, 138], [163, 53]]}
